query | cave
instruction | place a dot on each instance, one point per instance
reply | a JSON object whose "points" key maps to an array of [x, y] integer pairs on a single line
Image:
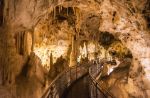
{"points": [[74, 49]]}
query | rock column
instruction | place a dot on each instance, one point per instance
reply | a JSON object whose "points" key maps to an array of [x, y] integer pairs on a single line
{"points": [[73, 56]]}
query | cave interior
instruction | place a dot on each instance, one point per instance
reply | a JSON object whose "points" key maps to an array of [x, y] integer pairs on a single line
{"points": [[40, 39]]}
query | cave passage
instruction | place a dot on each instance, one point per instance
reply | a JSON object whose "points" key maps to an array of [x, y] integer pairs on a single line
{"points": [[79, 89]]}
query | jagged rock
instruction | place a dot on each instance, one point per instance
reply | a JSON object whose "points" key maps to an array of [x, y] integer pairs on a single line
{"points": [[35, 67], [58, 67]]}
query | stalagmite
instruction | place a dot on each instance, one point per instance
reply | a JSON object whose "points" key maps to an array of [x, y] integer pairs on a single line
{"points": [[86, 45], [51, 60], [85, 49], [73, 56], [27, 43]]}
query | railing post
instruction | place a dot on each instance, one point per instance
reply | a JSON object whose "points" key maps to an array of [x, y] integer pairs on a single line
{"points": [[97, 68], [51, 92], [96, 89], [67, 79]]}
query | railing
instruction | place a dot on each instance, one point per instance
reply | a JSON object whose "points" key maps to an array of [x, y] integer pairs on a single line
{"points": [[64, 80], [70, 75], [96, 90]]}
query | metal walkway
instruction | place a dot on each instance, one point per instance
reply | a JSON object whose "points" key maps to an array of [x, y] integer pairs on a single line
{"points": [[77, 82], [79, 89]]}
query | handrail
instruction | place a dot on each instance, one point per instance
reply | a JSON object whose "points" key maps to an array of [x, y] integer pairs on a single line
{"points": [[64, 79], [45, 94], [94, 71]]}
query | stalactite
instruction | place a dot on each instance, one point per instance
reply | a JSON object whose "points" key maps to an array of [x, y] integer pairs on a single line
{"points": [[17, 45], [73, 44], [74, 11], [78, 21], [16, 38], [27, 43], [67, 11], [54, 9], [20, 39], [59, 7], [19, 42], [33, 40], [24, 43]]}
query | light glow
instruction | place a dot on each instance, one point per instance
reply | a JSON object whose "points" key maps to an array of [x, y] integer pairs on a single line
{"points": [[91, 51], [83, 53], [43, 51]]}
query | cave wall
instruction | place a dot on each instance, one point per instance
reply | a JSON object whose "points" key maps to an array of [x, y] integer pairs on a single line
{"points": [[55, 39], [18, 16], [24, 13], [132, 30]]}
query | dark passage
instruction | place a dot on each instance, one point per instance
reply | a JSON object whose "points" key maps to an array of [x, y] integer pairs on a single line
{"points": [[80, 89]]}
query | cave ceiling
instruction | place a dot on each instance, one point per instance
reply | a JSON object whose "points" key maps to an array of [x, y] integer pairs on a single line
{"points": [[25, 17], [128, 20], [125, 19]]}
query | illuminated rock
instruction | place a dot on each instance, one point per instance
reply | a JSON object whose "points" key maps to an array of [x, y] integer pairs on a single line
{"points": [[73, 55]]}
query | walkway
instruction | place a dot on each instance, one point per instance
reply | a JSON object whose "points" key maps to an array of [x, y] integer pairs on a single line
{"points": [[74, 83], [79, 89]]}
